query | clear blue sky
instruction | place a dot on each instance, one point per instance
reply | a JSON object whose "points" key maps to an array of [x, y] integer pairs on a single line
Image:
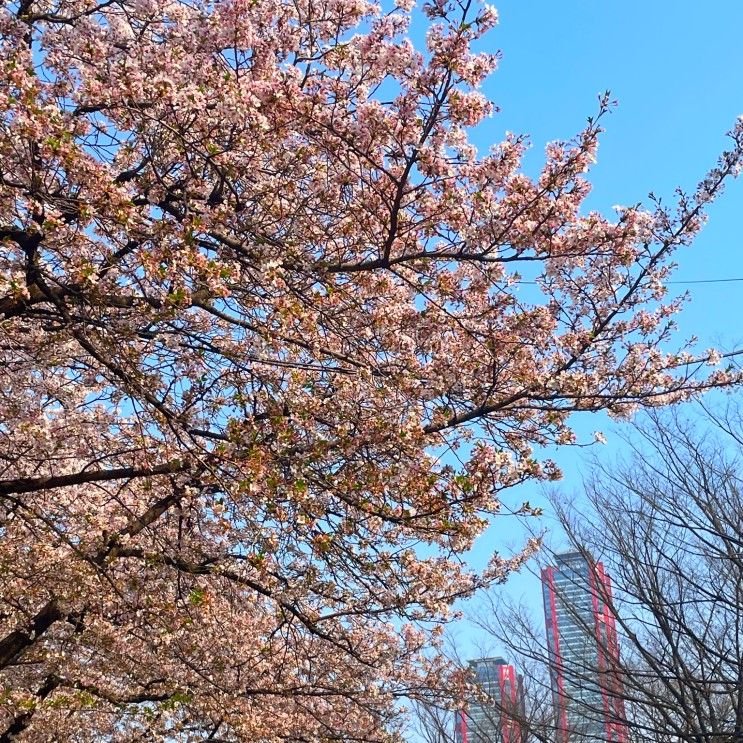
{"points": [[677, 70]]}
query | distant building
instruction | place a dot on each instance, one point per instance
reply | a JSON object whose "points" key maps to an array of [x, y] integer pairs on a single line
{"points": [[497, 719], [583, 650]]}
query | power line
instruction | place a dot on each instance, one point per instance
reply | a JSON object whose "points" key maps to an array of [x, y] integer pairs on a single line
{"points": [[704, 281], [679, 281]]}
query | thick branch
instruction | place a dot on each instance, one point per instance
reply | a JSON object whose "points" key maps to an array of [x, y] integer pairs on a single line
{"points": [[18, 640], [32, 484]]}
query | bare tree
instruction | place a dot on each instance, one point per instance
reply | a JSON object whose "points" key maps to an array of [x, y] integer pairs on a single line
{"points": [[666, 523]]}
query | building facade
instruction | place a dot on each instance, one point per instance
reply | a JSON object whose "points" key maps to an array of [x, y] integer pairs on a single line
{"points": [[494, 719], [583, 650]]}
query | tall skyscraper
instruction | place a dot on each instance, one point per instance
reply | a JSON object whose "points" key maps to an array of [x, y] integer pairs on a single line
{"points": [[497, 718], [583, 650]]}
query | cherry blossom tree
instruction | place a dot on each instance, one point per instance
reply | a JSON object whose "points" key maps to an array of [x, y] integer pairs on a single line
{"points": [[267, 365]]}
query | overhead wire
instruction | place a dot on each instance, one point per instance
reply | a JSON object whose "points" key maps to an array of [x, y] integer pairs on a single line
{"points": [[677, 281]]}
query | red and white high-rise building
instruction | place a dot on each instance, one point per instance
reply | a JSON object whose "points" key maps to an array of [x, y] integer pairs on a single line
{"points": [[583, 652], [497, 717]]}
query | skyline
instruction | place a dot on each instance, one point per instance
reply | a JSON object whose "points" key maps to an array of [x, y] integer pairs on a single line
{"points": [[582, 660]]}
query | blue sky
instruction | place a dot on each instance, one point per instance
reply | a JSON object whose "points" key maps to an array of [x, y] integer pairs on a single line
{"points": [[676, 69]]}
